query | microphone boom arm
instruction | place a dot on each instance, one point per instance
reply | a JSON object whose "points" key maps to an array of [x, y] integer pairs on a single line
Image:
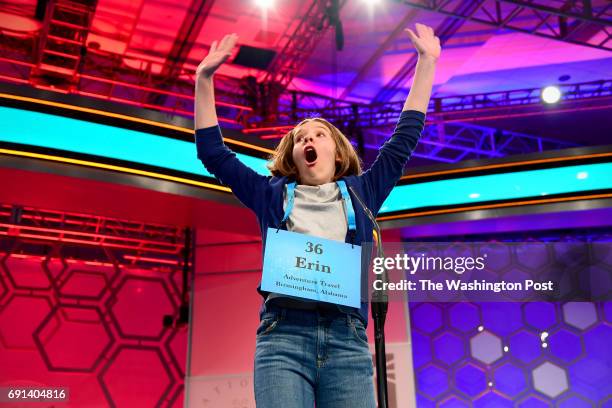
{"points": [[379, 306]]}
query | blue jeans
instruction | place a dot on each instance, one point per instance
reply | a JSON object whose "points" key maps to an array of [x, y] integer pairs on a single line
{"points": [[303, 357]]}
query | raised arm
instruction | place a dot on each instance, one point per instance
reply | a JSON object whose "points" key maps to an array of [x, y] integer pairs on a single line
{"points": [[205, 112], [388, 167], [246, 184], [428, 48]]}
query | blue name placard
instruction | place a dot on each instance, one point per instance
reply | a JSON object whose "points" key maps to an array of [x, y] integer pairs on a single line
{"points": [[311, 267]]}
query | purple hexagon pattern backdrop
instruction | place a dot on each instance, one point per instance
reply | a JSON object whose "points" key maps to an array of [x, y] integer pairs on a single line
{"points": [[511, 354]]}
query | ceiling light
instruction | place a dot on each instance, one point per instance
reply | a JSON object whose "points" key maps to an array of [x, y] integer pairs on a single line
{"points": [[266, 4], [551, 94]]}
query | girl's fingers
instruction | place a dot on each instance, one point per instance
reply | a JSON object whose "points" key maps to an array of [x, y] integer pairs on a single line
{"points": [[231, 42], [421, 30], [223, 42], [411, 34], [424, 30], [226, 40], [213, 47]]}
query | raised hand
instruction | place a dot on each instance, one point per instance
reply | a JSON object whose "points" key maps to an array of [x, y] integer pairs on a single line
{"points": [[217, 55], [426, 43]]}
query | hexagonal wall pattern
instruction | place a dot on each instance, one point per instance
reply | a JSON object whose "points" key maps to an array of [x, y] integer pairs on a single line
{"points": [[464, 317], [575, 401], [150, 380], [131, 306], [454, 402], [565, 345], [525, 345], [486, 347], [427, 317], [421, 343], [526, 355], [19, 318], [590, 377], [88, 284], [539, 315], [550, 379], [550, 355], [432, 381], [490, 400], [70, 328], [25, 274], [579, 314], [502, 318], [532, 401], [3, 289], [470, 379], [449, 348], [510, 379], [61, 319]]}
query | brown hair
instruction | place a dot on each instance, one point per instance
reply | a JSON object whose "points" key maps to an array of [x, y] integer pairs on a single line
{"points": [[281, 161]]}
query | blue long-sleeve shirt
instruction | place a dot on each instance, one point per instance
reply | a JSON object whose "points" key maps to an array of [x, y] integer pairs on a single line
{"points": [[264, 194]]}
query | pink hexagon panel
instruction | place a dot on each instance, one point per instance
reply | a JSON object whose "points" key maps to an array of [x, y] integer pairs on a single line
{"points": [[82, 325]]}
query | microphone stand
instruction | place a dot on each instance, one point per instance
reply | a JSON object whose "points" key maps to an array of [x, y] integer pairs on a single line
{"points": [[379, 306]]}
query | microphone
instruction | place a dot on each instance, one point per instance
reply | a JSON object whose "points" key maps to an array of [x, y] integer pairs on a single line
{"points": [[379, 308], [379, 295]]}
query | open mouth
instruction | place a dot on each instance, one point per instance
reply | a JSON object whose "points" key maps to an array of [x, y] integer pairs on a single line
{"points": [[310, 154]]}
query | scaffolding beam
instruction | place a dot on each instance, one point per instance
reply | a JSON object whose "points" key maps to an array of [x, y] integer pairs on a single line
{"points": [[575, 22]]}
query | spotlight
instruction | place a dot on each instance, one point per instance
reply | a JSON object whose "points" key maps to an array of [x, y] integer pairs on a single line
{"points": [[551, 94], [265, 4]]}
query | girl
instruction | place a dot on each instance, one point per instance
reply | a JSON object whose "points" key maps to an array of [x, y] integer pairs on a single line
{"points": [[310, 352]]}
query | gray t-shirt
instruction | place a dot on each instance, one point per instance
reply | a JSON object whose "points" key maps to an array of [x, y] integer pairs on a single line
{"points": [[317, 211]]}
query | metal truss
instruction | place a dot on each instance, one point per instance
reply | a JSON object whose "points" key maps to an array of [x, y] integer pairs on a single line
{"points": [[166, 86], [397, 32], [300, 44], [143, 82], [582, 22], [111, 77], [454, 142], [190, 28], [57, 59], [444, 31], [522, 102], [62, 41], [120, 78], [468, 108], [140, 82], [131, 242]]}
